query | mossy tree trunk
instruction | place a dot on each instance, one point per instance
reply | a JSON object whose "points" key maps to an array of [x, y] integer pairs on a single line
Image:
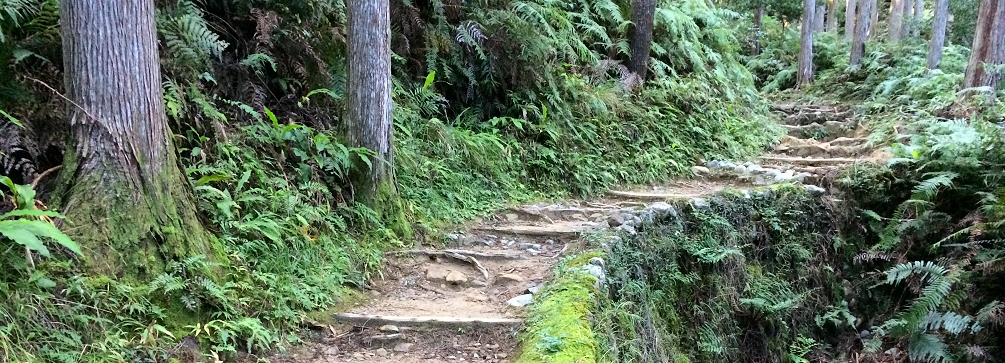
{"points": [[939, 25], [758, 27], [130, 205], [643, 18], [804, 74], [369, 107]]}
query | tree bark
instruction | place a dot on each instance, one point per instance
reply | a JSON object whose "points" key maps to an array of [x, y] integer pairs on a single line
{"points": [[849, 19], [919, 13], [369, 108], [820, 18], [896, 25], [938, 33], [996, 57], [874, 19], [643, 17], [758, 24], [804, 75], [862, 23], [905, 26], [833, 6], [132, 206], [983, 43]]}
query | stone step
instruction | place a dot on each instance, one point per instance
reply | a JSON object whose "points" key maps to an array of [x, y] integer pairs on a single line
{"points": [[813, 161], [651, 196], [365, 320], [566, 230]]}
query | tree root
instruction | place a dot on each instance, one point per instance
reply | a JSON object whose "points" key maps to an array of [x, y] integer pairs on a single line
{"points": [[467, 256]]}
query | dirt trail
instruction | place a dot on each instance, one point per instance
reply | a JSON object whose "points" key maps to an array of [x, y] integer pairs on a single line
{"points": [[465, 304]]}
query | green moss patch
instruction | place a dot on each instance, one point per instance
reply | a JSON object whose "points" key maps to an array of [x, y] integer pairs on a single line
{"points": [[558, 329]]}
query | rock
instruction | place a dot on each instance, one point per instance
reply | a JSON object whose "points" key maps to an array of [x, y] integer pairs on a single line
{"points": [[510, 243], [332, 351], [381, 352], [476, 296], [699, 203], [479, 283], [436, 273], [456, 277], [521, 301], [510, 278], [530, 246], [512, 217], [627, 229], [389, 328], [454, 236], [740, 169], [533, 290], [550, 242], [615, 220], [662, 210], [637, 220], [815, 190], [700, 170], [597, 261], [487, 242], [714, 164], [892, 351], [403, 347], [534, 252]]}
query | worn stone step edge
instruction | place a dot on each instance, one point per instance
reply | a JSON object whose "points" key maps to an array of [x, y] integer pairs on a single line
{"points": [[814, 160], [381, 320], [651, 196]]}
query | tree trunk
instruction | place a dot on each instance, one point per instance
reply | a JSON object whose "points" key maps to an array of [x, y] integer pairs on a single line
{"points": [[983, 44], [896, 25], [833, 6], [905, 26], [874, 19], [919, 14], [996, 57], [758, 20], [369, 106], [804, 75], [849, 19], [132, 206], [938, 33], [862, 23], [820, 15], [643, 16]]}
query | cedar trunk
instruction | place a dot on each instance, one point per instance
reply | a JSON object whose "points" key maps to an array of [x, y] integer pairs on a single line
{"points": [[983, 43], [862, 23], [938, 33], [804, 75], [849, 19], [919, 13], [905, 26], [369, 107], [131, 205], [996, 57], [896, 25], [643, 17], [819, 20], [873, 30], [833, 6]]}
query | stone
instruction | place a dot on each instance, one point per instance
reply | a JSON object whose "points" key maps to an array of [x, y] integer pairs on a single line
{"points": [[530, 246], [403, 347], [637, 220], [389, 328], [510, 278], [533, 290], [597, 261], [550, 242], [436, 273], [512, 217], [815, 190], [627, 229], [479, 283], [699, 203], [714, 164], [457, 277], [663, 210], [534, 252], [476, 296], [521, 301], [700, 170], [740, 169], [615, 220], [381, 352], [454, 236], [332, 351]]}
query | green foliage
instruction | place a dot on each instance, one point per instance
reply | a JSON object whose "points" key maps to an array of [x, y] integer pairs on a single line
{"points": [[26, 224]]}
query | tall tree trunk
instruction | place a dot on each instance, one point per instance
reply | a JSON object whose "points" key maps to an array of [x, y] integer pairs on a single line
{"points": [[643, 16], [919, 14], [804, 75], [983, 43], [874, 19], [833, 7], [758, 23], [849, 19], [896, 25], [132, 205], [996, 57], [862, 23], [938, 33], [820, 18], [369, 107], [905, 26]]}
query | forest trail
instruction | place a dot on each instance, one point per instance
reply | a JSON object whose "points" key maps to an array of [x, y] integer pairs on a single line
{"points": [[467, 302]]}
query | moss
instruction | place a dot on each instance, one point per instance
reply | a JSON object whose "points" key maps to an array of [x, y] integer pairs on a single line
{"points": [[558, 329], [389, 206]]}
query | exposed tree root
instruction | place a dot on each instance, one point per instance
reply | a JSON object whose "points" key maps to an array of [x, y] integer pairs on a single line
{"points": [[379, 320]]}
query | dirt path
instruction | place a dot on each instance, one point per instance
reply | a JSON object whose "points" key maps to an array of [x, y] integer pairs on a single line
{"points": [[468, 305]]}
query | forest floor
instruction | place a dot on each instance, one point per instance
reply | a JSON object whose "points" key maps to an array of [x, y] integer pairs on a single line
{"points": [[467, 302]]}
